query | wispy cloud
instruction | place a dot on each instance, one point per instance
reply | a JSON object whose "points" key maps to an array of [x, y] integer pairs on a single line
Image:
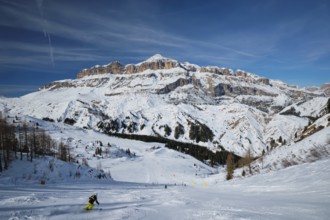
{"points": [[79, 33], [104, 31], [27, 54], [97, 32]]}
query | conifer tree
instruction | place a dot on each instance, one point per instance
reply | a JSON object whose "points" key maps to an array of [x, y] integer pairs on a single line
{"points": [[280, 139]]}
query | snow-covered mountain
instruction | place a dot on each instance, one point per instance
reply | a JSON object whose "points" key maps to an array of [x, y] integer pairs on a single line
{"points": [[214, 107], [210, 106]]}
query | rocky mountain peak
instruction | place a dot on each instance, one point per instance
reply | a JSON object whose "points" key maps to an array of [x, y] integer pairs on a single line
{"points": [[157, 58], [156, 62], [159, 62], [182, 102], [112, 68]]}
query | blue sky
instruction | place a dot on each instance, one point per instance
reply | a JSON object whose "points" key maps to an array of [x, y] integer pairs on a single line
{"points": [[47, 40]]}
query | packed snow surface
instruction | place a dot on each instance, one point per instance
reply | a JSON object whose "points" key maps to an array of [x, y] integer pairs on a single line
{"points": [[298, 192]]}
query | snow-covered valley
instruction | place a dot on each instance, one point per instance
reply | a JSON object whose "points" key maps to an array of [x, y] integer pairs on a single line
{"points": [[137, 190], [284, 129], [177, 101]]}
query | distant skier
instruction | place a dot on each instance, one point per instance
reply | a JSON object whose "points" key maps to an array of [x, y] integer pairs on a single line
{"points": [[91, 201]]}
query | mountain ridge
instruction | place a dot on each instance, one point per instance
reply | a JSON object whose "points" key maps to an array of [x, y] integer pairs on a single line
{"points": [[209, 106]]}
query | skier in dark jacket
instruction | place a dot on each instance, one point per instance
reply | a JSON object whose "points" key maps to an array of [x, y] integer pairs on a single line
{"points": [[91, 201]]}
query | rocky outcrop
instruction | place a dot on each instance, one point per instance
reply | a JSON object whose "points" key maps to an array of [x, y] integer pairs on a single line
{"points": [[129, 69], [263, 81], [241, 73], [261, 104], [230, 90], [227, 71], [188, 67], [298, 94], [249, 76], [98, 82], [326, 89], [118, 68], [216, 70], [158, 62], [113, 68], [58, 84], [290, 111], [172, 86], [155, 65]]}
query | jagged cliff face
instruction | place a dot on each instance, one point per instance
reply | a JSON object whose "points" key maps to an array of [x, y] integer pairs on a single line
{"points": [[113, 68], [156, 62], [212, 106], [326, 89]]}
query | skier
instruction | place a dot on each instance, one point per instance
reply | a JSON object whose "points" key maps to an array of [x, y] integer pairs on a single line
{"points": [[91, 201]]}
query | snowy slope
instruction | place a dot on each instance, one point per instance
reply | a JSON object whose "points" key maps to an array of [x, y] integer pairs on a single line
{"points": [[210, 106], [194, 190], [312, 148], [147, 162], [299, 192], [49, 170]]}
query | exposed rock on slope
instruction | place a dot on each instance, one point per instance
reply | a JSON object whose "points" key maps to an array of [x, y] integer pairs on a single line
{"points": [[156, 62], [112, 68], [180, 101]]}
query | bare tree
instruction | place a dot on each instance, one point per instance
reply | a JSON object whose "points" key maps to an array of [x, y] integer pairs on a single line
{"points": [[20, 141], [64, 152], [33, 142], [230, 166], [44, 147], [4, 142], [7, 141], [246, 160], [25, 139]]}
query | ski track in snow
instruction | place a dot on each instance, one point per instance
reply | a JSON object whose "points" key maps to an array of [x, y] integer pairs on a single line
{"points": [[299, 192]]}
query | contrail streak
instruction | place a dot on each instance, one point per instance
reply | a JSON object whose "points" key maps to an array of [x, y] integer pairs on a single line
{"points": [[44, 28]]}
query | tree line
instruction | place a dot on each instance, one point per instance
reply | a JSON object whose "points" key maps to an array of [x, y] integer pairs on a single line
{"points": [[201, 153], [197, 151], [23, 140]]}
